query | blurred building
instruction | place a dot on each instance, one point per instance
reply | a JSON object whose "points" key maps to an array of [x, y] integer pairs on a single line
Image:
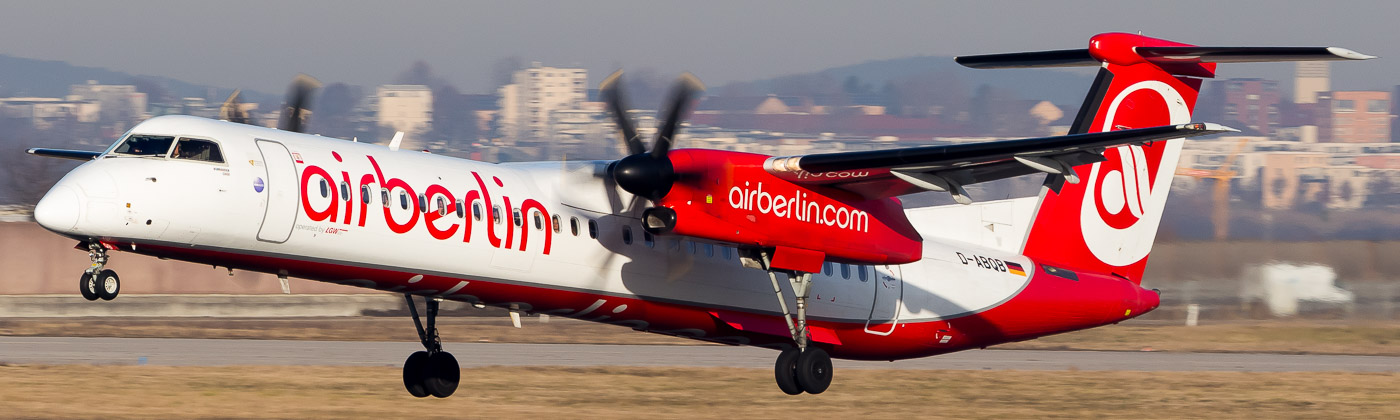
{"points": [[45, 112], [1251, 104], [1290, 177], [118, 102], [1354, 117], [1309, 79], [406, 108], [527, 104], [757, 105]]}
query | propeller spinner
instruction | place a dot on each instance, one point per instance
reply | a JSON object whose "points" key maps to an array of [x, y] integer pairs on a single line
{"points": [[648, 173]]}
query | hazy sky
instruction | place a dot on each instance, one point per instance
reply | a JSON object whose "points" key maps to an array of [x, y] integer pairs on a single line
{"points": [[262, 44]]}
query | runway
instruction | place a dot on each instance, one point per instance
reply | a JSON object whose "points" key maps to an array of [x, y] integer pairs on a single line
{"points": [[211, 352]]}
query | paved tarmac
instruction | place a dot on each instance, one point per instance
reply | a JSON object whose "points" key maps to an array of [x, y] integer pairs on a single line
{"points": [[214, 352]]}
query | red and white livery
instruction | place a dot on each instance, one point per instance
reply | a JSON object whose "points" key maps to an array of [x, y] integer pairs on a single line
{"points": [[811, 255]]}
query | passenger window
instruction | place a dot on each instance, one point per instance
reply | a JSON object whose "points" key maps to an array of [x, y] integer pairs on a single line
{"points": [[139, 145], [325, 189], [496, 214], [555, 221], [364, 193], [593, 229], [515, 215], [200, 150], [539, 222], [384, 196], [403, 200], [344, 191], [461, 210], [627, 235], [863, 275], [845, 271], [423, 203], [442, 205], [573, 225], [476, 211], [650, 240], [826, 268]]}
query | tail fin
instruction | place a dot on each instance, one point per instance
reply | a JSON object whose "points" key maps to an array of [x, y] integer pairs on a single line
{"points": [[1108, 221]]}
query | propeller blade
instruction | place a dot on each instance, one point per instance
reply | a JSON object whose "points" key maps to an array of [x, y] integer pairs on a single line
{"points": [[298, 102], [232, 111], [681, 97], [611, 90]]}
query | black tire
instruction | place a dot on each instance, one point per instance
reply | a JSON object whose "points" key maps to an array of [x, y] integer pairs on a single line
{"points": [[415, 374], [87, 285], [786, 371], [814, 370], [443, 374], [108, 285]]}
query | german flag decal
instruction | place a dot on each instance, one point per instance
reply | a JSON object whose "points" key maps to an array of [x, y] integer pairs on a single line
{"points": [[1015, 268]]}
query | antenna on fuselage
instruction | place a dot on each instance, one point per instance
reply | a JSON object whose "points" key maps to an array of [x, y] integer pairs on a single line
{"points": [[398, 139]]}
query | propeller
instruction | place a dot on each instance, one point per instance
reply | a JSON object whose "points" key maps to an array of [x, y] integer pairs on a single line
{"points": [[648, 173], [232, 110], [298, 102]]}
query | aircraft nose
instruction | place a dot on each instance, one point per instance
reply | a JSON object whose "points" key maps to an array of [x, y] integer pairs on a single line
{"points": [[59, 210]]}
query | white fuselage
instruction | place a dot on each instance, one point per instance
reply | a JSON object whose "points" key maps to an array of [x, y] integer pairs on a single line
{"points": [[269, 200]]}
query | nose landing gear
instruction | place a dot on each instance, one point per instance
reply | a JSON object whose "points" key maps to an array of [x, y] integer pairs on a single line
{"points": [[434, 371], [97, 282]]}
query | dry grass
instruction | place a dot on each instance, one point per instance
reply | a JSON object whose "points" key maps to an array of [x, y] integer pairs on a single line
{"points": [[77, 391], [1276, 337]]}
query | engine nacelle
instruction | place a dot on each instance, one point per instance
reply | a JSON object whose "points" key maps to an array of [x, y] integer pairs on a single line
{"points": [[727, 196]]}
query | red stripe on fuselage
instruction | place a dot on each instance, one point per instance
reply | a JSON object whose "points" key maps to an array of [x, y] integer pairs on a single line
{"points": [[1046, 306]]}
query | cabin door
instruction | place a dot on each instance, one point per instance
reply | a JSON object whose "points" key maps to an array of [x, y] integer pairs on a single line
{"points": [[283, 194]]}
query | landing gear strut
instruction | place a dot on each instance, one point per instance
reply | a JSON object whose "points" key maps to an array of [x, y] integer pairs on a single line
{"points": [[434, 371], [98, 282], [804, 368]]}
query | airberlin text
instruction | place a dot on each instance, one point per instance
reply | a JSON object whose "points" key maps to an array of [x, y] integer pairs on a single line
{"points": [[441, 222], [799, 206]]}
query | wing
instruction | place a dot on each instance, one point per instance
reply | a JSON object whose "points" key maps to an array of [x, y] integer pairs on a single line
{"points": [[65, 154], [888, 173]]}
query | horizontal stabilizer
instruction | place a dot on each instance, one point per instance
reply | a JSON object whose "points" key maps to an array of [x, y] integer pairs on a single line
{"points": [[1161, 55], [1056, 58], [1247, 54], [65, 154]]}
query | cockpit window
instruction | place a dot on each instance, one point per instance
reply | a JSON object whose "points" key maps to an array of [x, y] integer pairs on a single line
{"points": [[143, 145], [196, 149]]}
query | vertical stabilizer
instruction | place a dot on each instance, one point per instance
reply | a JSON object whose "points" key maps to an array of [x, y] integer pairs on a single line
{"points": [[1108, 221]]}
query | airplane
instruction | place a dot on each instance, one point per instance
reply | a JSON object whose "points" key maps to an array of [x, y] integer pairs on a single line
{"points": [[814, 256]]}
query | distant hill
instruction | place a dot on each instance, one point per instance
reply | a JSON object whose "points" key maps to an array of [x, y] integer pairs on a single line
{"points": [[1060, 86], [30, 77]]}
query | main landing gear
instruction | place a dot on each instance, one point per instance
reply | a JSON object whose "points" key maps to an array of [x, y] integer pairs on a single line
{"points": [[97, 282], [804, 368], [432, 372]]}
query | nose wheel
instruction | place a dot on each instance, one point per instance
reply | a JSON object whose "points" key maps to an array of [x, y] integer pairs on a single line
{"points": [[434, 371], [97, 282]]}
